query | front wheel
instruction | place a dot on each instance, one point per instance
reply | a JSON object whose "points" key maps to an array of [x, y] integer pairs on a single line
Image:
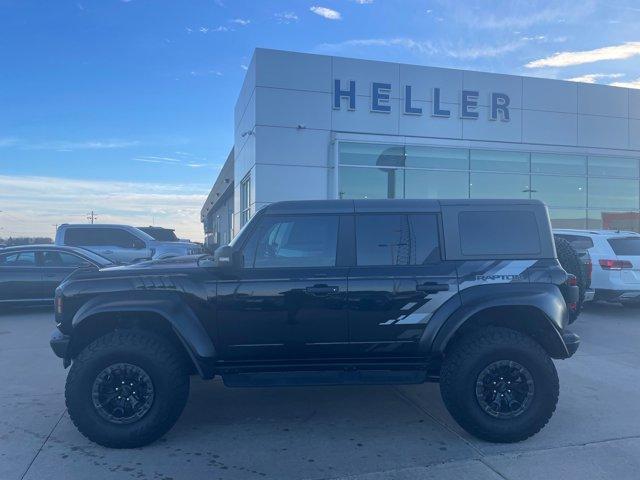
{"points": [[499, 385], [127, 389]]}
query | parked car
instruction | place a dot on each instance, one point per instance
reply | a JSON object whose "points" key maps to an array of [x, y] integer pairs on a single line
{"points": [[160, 233], [121, 243], [29, 274], [468, 293], [614, 257]]}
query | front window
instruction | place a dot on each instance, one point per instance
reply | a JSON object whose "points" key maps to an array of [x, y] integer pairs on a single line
{"points": [[296, 241]]}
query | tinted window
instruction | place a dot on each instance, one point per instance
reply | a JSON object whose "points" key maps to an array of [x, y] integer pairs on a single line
{"points": [[21, 259], [425, 239], [296, 241], [499, 233], [161, 234], [578, 242], [101, 237], [625, 245], [59, 259], [397, 239]]}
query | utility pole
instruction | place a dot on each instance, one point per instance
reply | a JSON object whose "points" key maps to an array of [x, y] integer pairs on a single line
{"points": [[91, 217]]}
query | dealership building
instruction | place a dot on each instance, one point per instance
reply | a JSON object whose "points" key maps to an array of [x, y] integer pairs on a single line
{"points": [[321, 127]]}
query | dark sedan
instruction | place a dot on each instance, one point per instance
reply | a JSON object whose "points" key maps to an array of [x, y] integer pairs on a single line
{"points": [[29, 274]]}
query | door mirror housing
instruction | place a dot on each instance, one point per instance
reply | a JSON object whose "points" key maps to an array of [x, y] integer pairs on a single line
{"points": [[226, 257]]}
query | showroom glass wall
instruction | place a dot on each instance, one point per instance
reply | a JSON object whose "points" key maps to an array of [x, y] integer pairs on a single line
{"points": [[581, 191]]}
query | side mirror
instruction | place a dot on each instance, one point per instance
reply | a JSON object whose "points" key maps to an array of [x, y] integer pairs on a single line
{"points": [[226, 257]]}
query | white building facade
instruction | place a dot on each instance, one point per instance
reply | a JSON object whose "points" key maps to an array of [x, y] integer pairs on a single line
{"points": [[318, 127]]}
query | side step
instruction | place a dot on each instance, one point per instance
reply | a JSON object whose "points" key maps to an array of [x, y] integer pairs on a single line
{"points": [[328, 377]]}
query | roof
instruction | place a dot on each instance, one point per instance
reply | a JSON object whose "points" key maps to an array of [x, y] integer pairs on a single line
{"points": [[397, 205], [44, 246], [577, 231]]}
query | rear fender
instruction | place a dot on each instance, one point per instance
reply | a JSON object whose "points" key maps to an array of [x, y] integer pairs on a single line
{"points": [[537, 309]]}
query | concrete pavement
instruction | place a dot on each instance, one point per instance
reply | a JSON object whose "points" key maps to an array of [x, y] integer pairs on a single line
{"points": [[363, 433]]}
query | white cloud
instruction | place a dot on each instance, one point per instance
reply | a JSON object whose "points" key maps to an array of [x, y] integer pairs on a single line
{"points": [[566, 59], [31, 205], [327, 13], [68, 146], [222, 28], [633, 84], [406, 43], [286, 17], [364, 2], [428, 47], [241, 21], [244, 67], [593, 77]]}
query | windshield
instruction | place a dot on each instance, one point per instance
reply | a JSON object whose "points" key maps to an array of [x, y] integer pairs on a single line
{"points": [[625, 245]]}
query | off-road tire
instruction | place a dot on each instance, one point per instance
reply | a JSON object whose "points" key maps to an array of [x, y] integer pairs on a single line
{"points": [[570, 261], [166, 368], [469, 356]]}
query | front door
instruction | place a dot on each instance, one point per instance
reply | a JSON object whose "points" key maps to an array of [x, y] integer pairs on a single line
{"points": [[289, 299], [397, 284], [20, 277]]}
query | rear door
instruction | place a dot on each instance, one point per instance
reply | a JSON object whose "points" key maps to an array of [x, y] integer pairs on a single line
{"points": [[398, 282], [20, 277]]}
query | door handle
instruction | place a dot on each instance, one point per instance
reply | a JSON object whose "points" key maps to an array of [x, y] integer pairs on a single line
{"points": [[322, 289], [432, 287]]}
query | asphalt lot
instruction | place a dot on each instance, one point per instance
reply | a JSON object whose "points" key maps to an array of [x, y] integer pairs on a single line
{"points": [[331, 432]]}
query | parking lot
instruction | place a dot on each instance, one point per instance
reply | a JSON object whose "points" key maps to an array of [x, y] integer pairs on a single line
{"points": [[332, 432]]}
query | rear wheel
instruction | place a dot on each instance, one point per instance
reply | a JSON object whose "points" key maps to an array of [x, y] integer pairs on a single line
{"points": [[127, 389], [499, 385]]}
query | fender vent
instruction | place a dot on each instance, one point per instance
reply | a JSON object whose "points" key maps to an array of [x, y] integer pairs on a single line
{"points": [[154, 283]]}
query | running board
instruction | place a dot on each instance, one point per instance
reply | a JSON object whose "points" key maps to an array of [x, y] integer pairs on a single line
{"points": [[327, 377]]}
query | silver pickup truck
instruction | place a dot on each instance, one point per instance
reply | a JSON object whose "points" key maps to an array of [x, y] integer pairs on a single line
{"points": [[121, 243]]}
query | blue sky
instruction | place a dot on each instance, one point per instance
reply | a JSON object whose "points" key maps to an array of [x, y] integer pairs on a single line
{"points": [[126, 107]]}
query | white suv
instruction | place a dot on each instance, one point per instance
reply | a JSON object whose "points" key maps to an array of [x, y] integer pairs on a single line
{"points": [[615, 256]]}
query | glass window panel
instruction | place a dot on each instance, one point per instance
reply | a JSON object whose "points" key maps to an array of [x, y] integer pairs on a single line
{"points": [[613, 193], [558, 191], [436, 184], [613, 166], [383, 240], [437, 157], [503, 233], [357, 183], [613, 220], [499, 185], [297, 241], [425, 241], [498, 161], [563, 164], [371, 154], [566, 218]]}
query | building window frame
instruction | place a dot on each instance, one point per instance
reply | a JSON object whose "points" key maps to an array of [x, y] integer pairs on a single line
{"points": [[245, 200]]}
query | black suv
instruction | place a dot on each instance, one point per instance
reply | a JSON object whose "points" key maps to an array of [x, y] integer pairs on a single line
{"points": [[465, 292]]}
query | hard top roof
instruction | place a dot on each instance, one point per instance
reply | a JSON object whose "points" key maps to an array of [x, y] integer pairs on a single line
{"points": [[386, 206]]}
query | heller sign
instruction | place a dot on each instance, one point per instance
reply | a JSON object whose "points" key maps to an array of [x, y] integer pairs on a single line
{"points": [[381, 95]]}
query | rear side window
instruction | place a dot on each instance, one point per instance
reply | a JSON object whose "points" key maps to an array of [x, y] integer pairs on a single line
{"points": [[499, 233], [579, 242], [625, 245], [397, 240], [93, 237]]}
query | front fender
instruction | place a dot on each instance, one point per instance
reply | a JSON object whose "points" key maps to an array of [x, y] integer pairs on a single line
{"points": [[545, 300], [168, 305]]}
